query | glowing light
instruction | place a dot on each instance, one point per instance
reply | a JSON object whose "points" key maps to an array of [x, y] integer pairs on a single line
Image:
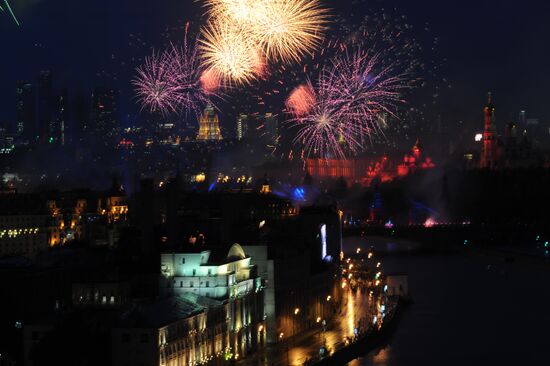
{"points": [[296, 311], [478, 137], [323, 241], [430, 222], [284, 30], [329, 297], [229, 54], [200, 178], [288, 29]]}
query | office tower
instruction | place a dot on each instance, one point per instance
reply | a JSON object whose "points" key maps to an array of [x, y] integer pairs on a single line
{"points": [[59, 119], [45, 101], [25, 110], [104, 113], [80, 117], [242, 126], [271, 125], [521, 119]]}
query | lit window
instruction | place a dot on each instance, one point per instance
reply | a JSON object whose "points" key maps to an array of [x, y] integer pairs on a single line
{"points": [[323, 241]]}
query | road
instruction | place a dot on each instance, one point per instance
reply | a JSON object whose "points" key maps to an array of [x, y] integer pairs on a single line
{"points": [[355, 306]]}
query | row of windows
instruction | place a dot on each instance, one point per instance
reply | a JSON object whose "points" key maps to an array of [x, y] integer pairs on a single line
{"points": [[191, 284]]}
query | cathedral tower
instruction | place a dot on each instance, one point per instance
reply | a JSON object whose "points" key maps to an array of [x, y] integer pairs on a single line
{"points": [[489, 153]]}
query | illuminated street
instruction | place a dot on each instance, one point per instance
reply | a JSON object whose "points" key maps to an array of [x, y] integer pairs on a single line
{"points": [[364, 305], [307, 346]]}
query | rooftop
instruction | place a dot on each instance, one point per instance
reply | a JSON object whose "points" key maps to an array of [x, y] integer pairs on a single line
{"points": [[162, 312]]}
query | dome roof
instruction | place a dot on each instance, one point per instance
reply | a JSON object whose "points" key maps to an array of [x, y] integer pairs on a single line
{"points": [[236, 252]]}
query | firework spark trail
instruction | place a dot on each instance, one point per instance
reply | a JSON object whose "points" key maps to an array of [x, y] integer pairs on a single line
{"points": [[326, 129], [349, 98], [154, 85], [242, 35], [289, 29], [368, 89], [301, 100], [174, 81], [229, 53], [7, 5]]}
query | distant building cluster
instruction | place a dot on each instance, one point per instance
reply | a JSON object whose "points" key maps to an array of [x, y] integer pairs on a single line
{"points": [[49, 116], [31, 223], [515, 150], [365, 170]]}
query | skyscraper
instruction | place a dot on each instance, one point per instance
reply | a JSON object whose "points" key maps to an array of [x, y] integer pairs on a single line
{"points": [[271, 125], [521, 119], [59, 119], [25, 110], [104, 113], [45, 101], [80, 117], [209, 126], [242, 126]]}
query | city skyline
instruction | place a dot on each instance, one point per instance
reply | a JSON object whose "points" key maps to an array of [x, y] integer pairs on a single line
{"points": [[477, 49]]}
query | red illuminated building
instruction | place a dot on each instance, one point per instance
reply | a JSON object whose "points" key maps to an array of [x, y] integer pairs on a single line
{"points": [[364, 170]]}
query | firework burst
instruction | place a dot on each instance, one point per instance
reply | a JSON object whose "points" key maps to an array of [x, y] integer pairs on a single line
{"points": [[155, 86], [174, 81], [301, 100], [282, 30], [229, 54], [335, 117], [289, 29]]}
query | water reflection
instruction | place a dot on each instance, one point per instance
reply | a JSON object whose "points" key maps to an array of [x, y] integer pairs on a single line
{"points": [[463, 313]]}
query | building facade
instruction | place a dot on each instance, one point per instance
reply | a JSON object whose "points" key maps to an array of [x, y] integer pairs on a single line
{"points": [[200, 274], [209, 126]]}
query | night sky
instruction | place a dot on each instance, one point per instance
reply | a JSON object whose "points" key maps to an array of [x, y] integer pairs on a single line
{"points": [[494, 45]]}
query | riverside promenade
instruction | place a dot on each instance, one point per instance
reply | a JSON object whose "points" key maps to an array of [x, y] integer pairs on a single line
{"points": [[349, 327]]}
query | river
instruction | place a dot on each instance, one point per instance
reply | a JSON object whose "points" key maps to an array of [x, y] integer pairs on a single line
{"points": [[468, 310]]}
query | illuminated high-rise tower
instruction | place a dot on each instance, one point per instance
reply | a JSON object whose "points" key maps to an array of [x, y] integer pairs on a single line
{"points": [[209, 126], [489, 153], [242, 126]]}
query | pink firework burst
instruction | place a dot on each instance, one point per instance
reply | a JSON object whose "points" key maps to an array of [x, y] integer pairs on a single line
{"points": [[301, 100], [336, 117], [155, 86], [368, 90], [175, 81]]}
